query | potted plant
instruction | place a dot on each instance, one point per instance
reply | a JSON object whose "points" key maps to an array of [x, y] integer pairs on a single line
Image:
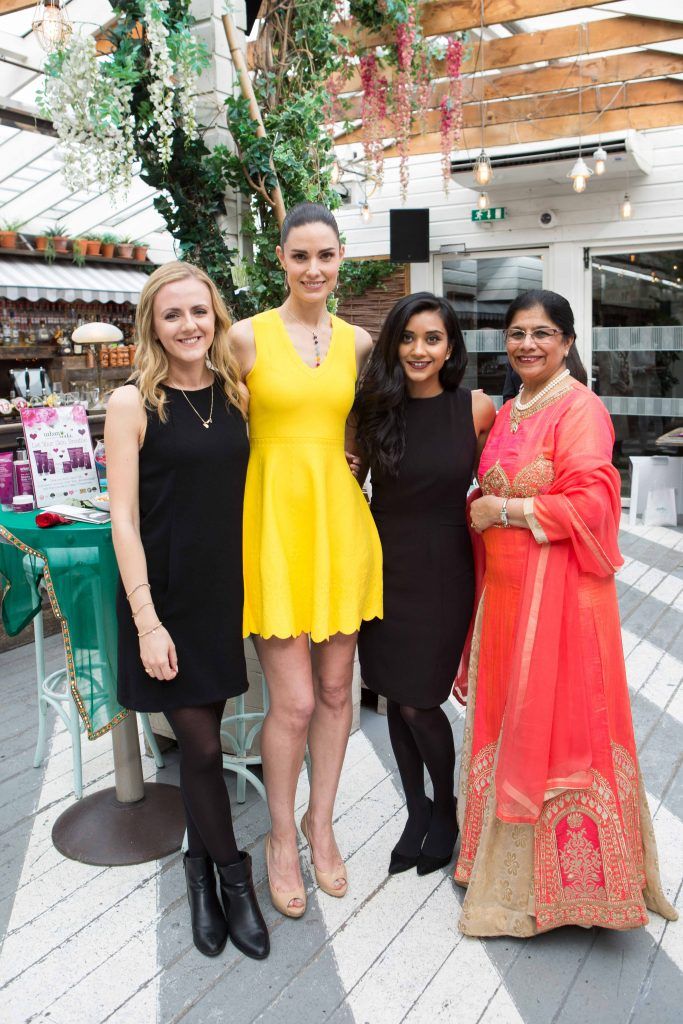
{"points": [[125, 248], [109, 243], [55, 239], [140, 251], [79, 248], [94, 245], [8, 234]]}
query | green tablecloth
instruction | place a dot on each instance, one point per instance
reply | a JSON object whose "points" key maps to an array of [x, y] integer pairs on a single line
{"points": [[78, 566]]}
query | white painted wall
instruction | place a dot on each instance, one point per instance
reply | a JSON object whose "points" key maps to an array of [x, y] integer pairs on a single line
{"points": [[589, 220]]}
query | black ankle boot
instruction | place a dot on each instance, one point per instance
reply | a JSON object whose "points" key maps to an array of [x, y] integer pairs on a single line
{"points": [[426, 863], [246, 926], [209, 927]]}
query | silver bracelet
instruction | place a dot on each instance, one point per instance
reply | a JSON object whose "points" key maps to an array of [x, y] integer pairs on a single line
{"points": [[504, 514]]}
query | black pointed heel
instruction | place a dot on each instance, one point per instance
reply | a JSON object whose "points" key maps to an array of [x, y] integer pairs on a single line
{"points": [[246, 927], [426, 864], [209, 927]]}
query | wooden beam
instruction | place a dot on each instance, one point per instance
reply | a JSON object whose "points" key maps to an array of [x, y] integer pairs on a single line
{"points": [[530, 109], [556, 78], [9, 6], [439, 19], [548, 129], [558, 43]]}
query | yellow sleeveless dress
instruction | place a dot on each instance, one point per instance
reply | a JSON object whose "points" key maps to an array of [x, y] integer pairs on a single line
{"points": [[312, 555]]}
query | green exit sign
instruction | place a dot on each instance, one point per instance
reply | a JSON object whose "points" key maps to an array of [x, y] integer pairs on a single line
{"points": [[494, 213]]}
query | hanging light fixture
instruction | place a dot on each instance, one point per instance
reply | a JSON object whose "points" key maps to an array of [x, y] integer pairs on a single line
{"points": [[626, 208], [483, 201], [51, 24], [600, 157], [580, 172], [365, 212], [482, 170]]}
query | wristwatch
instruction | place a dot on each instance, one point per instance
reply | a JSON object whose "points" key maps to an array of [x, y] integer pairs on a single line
{"points": [[504, 514]]}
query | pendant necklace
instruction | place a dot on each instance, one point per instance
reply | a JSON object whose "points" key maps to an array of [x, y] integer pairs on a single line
{"points": [[519, 407], [314, 334], [206, 423]]}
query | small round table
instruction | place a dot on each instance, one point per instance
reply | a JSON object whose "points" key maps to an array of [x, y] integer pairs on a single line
{"points": [[133, 821]]}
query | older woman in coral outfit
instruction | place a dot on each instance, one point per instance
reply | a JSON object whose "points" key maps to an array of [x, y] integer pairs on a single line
{"points": [[555, 825]]}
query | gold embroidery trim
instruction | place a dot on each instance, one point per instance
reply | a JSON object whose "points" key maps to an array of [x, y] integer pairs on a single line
{"points": [[532, 522], [528, 481], [517, 415]]}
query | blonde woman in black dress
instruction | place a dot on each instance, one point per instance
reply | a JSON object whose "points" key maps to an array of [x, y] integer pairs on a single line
{"points": [[177, 453], [421, 434]]}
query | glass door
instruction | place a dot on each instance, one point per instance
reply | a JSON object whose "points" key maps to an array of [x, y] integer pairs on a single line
{"points": [[480, 289], [637, 346]]}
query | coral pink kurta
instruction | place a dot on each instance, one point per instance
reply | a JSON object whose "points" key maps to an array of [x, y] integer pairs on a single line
{"points": [[555, 827]]}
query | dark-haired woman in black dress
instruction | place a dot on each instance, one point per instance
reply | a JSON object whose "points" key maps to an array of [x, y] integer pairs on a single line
{"points": [[421, 435], [177, 454]]}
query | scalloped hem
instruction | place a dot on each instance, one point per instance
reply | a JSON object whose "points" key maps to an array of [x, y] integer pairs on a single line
{"points": [[344, 630]]}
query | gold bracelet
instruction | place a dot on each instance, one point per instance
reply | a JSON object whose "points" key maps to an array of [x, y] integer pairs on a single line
{"points": [[147, 604], [148, 632], [128, 596]]}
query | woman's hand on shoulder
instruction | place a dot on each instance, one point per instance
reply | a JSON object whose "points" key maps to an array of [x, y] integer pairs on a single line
{"points": [[242, 343], [364, 345]]}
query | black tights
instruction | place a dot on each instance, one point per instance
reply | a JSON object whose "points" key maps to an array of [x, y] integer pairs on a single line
{"points": [[422, 737], [206, 800]]}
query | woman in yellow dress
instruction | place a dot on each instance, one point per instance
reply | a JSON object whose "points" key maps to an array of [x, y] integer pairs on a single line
{"points": [[312, 556]]}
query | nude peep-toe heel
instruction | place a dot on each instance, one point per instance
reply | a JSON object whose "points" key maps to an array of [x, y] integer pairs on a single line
{"points": [[281, 900], [326, 879]]}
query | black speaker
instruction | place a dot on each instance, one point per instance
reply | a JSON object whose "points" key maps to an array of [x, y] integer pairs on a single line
{"points": [[409, 236]]}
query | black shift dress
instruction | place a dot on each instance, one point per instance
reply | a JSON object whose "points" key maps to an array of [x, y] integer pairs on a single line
{"points": [[412, 655], [191, 496]]}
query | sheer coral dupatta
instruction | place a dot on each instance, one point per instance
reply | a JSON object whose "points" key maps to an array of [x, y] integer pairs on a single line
{"points": [[545, 741]]}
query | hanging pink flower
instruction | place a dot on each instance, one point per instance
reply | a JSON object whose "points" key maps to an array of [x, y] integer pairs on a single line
{"points": [[403, 93], [451, 108], [373, 112]]}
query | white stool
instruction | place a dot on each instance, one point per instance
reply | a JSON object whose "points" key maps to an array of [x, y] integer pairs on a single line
{"points": [[654, 471]]}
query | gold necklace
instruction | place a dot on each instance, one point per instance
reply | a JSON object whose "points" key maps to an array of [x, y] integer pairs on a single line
{"points": [[205, 423], [313, 332]]}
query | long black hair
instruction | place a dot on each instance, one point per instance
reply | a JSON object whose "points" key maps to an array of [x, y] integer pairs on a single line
{"points": [[380, 406], [557, 309]]}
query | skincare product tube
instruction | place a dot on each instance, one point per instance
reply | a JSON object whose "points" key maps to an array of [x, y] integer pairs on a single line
{"points": [[23, 482], [6, 479]]}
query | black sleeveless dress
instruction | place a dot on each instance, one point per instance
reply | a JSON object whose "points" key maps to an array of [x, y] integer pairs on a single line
{"points": [[412, 655], [191, 496]]}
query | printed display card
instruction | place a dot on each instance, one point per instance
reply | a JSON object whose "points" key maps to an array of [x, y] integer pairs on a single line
{"points": [[60, 454]]}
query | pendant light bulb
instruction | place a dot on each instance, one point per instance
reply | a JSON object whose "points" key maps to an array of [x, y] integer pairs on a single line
{"points": [[51, 25], [579, 174], [483, 201], [366, 212], [600, 157], [482, 170], [335, 172], [626, 208]]}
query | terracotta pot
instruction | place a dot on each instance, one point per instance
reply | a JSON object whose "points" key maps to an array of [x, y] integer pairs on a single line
{"points": [[141, 252], [79, 246], [41, 243], [94, 248], [61, 243], [108, 249], [8, 239], [124, 250]]}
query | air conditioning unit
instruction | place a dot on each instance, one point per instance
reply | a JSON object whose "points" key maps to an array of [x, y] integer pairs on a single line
{"points": [[631, 155]]}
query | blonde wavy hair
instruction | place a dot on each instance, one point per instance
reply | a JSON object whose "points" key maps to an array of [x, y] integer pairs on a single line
{"points": [[151, 361]]}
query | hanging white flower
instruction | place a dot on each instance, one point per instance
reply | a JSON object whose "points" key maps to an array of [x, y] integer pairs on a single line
{"points": [[162, 69], [91, 110]]}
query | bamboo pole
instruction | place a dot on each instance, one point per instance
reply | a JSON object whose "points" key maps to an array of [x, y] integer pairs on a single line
{"points": [[247, 91]]}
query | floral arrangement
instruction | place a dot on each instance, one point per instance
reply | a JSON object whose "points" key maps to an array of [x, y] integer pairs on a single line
{"points": [[90, 98], [396, 83]]}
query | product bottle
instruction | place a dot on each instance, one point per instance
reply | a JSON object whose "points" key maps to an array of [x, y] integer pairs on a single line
{"points": [[23, 483], [101, 464]]}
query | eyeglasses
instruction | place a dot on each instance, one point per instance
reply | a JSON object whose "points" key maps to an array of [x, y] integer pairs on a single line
{"points": [[540, 334]]}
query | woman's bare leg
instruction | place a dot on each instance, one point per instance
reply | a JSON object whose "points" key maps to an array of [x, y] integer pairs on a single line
{"points": [[287, 667], [328, 736]]}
